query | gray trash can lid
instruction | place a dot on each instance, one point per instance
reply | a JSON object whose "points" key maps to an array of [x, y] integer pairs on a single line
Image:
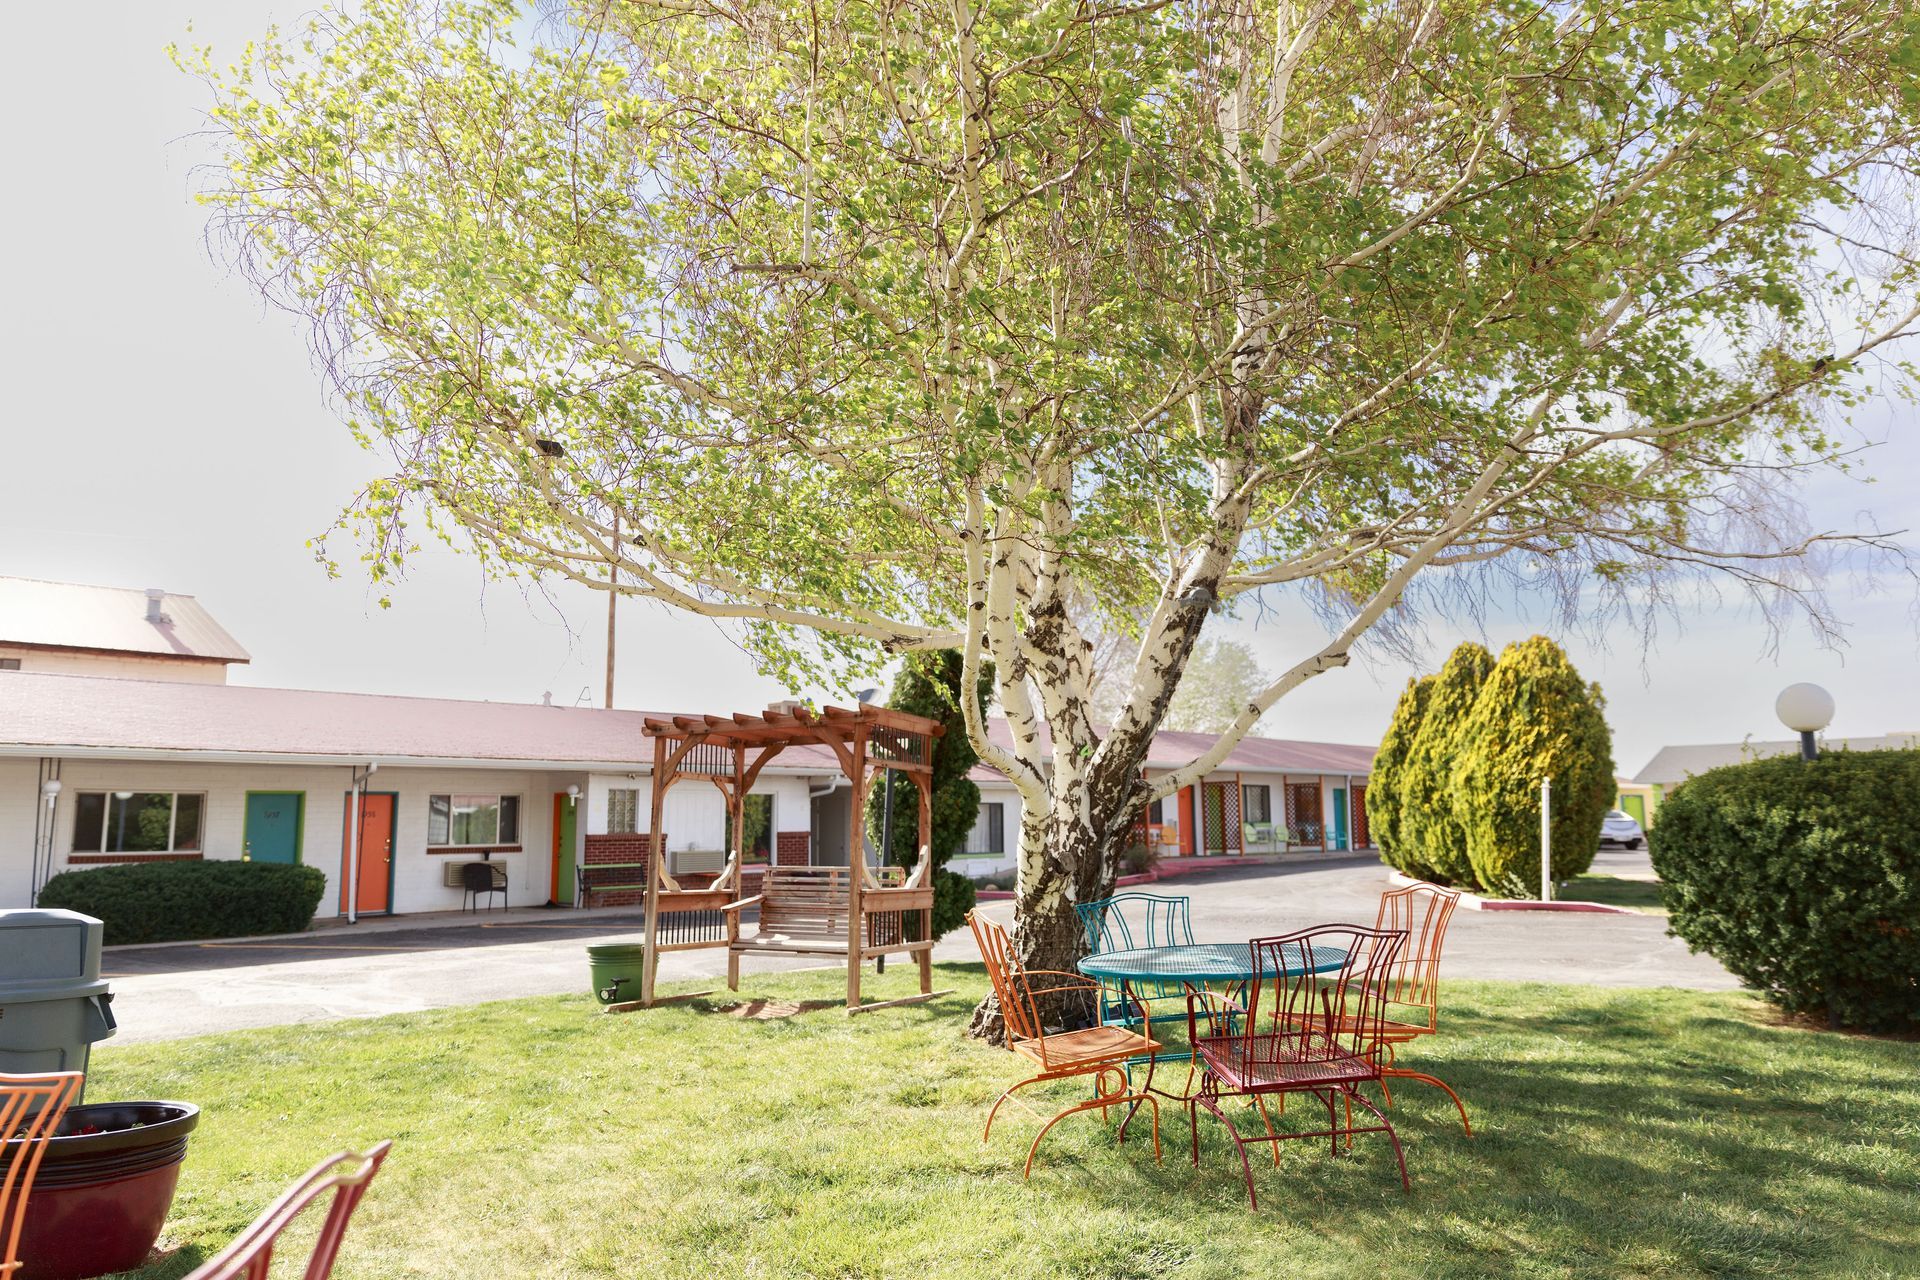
{"points": [[38, 947]]}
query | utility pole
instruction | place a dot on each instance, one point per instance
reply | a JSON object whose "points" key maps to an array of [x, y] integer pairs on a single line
{"points": [[613, 599]]}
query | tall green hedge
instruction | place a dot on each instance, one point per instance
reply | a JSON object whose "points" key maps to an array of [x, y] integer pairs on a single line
{"points": [[1803, 879], [1429, 824], [929, 685], [177, 901], [1535, 717], [1384, 781]]}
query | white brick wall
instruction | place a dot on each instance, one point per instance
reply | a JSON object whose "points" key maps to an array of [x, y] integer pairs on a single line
{"points": [[125, 666]]}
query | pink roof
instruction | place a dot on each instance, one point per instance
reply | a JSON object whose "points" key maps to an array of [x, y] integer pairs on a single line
{"points": [[67, 615], [49, 714], [1251, 755], [91, 713]]}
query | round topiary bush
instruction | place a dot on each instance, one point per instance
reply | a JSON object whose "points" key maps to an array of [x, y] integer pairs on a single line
{"points": [[1385, 783], [1535, 717], [178, 901], [1803, 879], [1429, 827]]}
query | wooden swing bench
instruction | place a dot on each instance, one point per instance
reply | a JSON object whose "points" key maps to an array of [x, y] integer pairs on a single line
{"points": [[803, 912], [854, 913]]}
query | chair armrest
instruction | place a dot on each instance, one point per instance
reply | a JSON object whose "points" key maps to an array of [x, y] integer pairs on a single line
{"points": [[1218, 1003], [754, 901]]}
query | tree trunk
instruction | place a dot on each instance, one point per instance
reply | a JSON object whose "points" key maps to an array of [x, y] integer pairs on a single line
{"points": [[1063, 861]]}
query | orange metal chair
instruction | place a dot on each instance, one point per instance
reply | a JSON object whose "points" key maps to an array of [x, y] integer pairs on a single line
{"points": [[1412, 987], [1098, 1051], [30, 1111], [250, 1256]]}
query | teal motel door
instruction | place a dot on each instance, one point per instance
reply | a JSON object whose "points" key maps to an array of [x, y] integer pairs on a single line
{"points": [[1339, 818], [273, 826]]}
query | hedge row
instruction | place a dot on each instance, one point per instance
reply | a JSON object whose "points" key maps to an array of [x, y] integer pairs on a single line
{"points": [[180, 901]]}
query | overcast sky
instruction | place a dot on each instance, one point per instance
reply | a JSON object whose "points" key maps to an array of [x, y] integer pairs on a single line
{"points": [[162, 429]]}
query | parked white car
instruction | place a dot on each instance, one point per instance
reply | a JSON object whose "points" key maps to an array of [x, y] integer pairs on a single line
{"points": [[1620, 828]]}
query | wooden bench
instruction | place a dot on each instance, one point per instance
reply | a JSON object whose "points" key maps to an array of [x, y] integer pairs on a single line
{"points": [[804, 911], [607, 877]]}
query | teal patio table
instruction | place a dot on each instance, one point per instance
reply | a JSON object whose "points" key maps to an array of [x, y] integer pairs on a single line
{"points": [[1190, 967]]}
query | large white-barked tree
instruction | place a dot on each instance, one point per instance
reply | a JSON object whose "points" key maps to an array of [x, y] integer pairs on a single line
{"points": [[983, 323]]}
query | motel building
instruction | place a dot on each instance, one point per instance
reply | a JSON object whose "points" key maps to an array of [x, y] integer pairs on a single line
{"points": [[121, 741]]}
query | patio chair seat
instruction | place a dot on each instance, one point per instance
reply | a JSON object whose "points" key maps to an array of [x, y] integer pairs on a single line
{"points": [[1087, 1046], [1282, 1059]]}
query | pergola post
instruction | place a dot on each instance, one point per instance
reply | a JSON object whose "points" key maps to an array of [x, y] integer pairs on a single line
{"points": [[923, 867], [656, 862], [856, 867]]}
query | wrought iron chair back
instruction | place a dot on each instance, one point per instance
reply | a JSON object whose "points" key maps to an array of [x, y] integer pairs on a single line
{"points": [[30, 1111], [1010, 987], [1158, 920], [1412, 988], [1128, 921], [250, 1255], [1296, 1016]]}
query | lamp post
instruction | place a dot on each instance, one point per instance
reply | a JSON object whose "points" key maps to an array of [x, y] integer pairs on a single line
{"points": [[1806, 709]]}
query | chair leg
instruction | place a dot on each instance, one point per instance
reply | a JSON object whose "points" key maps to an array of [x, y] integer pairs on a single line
{"points": [[1100, 1103], [1239, 1145], [1401, 1073], [1406, 1183], [1267, 1120], [987, 1135]]}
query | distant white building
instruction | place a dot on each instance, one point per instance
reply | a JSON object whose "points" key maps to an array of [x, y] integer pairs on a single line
{"points": [[65, 628], [120, 742]]}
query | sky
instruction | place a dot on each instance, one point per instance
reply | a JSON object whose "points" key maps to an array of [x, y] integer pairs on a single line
{"points": [[162, 428]]}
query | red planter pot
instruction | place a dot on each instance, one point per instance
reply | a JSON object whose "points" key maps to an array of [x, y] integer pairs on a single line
{"points": [[101, 1198]]}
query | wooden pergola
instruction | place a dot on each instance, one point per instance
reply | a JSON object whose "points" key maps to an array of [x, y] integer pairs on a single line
{"points": [[729, 752]]}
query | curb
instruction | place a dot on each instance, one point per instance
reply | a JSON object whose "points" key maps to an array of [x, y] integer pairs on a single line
{"points": [[1474, 902]]}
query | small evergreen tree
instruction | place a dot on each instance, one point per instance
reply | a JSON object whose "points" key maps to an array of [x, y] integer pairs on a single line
{"points": [[929, 685], [1535, 717], [1384, 810], [1428, 826]]}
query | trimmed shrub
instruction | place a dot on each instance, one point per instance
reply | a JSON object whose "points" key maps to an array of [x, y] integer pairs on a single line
{"points": [[180, 901], [1535, 717], [1429, 827], [1803, 879], [1384, 781]]}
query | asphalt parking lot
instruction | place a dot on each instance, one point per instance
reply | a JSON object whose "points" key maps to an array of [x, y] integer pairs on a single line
{"points": [[397, 966]]}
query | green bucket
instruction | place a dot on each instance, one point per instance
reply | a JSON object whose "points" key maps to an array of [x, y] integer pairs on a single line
{"points": [[617, 967]]}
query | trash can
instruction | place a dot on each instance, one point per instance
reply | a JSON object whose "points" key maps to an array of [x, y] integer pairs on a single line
{"points": [[53, 1002]]}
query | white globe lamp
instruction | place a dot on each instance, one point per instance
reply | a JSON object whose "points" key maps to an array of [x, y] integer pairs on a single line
{"points": [[1806, 709]]}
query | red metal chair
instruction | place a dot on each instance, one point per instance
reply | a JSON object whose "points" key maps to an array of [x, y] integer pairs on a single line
{"points": [[30, 1111], [1412, 991], [250, 1256], [1311, 1024]]}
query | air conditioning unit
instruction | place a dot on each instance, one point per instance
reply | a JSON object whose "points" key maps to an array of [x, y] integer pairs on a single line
{"points": [[451, 873]]}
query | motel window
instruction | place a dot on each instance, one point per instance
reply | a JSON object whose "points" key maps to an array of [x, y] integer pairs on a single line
{"points": [[1156, 812], [1256, 803], [454, 821], [9, 664], [756, 844], [137, 822], [623, 811], [989, 834]]}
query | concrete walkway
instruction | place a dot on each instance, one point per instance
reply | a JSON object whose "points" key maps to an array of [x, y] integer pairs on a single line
{"points": [[398, 966]]}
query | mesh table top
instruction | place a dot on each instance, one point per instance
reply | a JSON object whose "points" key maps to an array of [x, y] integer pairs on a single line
{"points": [[1203, 962]]}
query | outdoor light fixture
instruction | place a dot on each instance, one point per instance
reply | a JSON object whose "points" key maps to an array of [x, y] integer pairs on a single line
{"points": [[573, 794], [50, 789], [1806, 709]]}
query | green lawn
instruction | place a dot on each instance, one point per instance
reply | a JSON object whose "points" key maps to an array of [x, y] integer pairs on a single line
{"points": [[1619, 1133], [1616, 891]]}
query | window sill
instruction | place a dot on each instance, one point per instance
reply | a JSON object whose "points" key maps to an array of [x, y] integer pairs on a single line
{"points": [[90, 859], [471, 849]]}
